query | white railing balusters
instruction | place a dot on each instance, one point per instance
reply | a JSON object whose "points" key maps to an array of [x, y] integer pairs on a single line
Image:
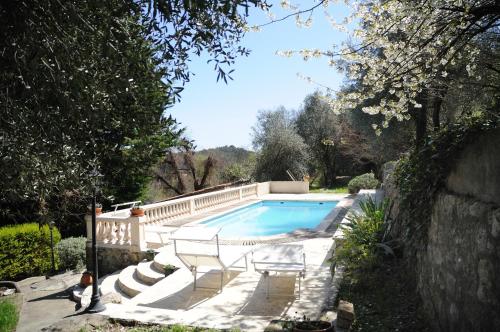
{"points": [[121, 229]]}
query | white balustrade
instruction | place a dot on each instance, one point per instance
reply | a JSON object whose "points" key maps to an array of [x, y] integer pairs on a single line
{"points": [[116, 231], [121, 229]]}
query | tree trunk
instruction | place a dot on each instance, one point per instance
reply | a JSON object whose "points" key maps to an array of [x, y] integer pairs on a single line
{"points": [[420, 118], [329, 173], [436, 106], [436, 109], [209, 165]]}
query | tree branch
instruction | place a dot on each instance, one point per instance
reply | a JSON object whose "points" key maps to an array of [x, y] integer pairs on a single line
{"points": [[292, 14]]}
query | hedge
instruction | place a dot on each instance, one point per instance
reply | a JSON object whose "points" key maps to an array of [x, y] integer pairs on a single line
{"points": [[25, 250], [71, 252], [365, 181]]}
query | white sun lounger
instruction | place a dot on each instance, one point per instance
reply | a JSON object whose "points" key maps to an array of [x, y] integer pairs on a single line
{"points": [[282, 259], [198, 247]]}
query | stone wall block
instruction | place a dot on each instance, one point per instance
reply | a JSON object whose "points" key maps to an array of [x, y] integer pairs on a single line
{"points": [[476, 174]]}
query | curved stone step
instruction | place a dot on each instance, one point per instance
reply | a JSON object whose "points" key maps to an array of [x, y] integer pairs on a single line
{"points": [[129, 283], [148, 274], [165, 257], [110, 285]]}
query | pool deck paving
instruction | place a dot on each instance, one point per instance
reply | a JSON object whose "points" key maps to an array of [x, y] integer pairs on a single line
{"points": [[242, 302]]}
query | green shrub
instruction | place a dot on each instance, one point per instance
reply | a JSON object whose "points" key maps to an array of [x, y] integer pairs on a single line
{"points": [[365, 181], [71, 252], [25, 250], [8, 316], [364, 236]]}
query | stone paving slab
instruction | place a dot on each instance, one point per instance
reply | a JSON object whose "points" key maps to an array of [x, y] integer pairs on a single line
{"points": [[242, 303], [46, 301]]}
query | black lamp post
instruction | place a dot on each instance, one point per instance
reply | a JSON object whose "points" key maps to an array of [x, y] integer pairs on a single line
{"points": [[95, 301], [52, 258]]}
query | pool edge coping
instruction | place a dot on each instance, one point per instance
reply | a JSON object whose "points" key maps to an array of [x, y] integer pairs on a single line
{"points": [[344, 201]]}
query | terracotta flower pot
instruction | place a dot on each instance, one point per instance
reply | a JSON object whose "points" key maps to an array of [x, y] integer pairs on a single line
{"points": [[86, 279], [137, 212], [98, 210]]}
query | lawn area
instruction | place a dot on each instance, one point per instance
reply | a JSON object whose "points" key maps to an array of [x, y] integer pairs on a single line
{"points": [[335, 190], [122, 326], [340, 187], [9, 315], [383, 300]]}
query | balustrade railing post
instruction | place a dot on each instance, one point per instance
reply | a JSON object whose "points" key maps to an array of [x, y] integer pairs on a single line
{"points": [[88, 221], [241, 193], [137, 235], [192, 206]]}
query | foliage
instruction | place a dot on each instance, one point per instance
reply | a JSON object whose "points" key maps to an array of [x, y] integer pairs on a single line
{"points": [[120, 325], [392, 141], [383, 299], [233, 164], [82, 90], [279, 146], [407, 58], [169, 269], [405, 46], [182, 173], [364, 181], [183, 28], [85, 85], [364, 236], [400, 49], [71, 252], [321, 130], [8, 316], [236, 172], [422, 173], [340, 186], [337, 144], [334, 190], [25, 250]]}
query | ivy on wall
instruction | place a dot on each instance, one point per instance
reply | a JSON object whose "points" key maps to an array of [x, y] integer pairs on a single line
{"points": [[421, 174]]}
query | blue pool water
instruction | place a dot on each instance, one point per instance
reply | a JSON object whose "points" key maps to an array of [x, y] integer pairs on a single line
{"points": [[271, 217]]}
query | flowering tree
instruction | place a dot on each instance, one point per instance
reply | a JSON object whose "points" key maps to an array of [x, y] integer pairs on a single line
{"points": [[402, 51]]}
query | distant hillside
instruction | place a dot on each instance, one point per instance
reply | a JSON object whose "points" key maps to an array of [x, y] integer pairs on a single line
{"points": [[227, 155]]}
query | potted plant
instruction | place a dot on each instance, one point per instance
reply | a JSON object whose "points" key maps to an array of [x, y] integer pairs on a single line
{"points": [[137, 211], [98, 208], [86, 279], [169, 269], [150, 255]]}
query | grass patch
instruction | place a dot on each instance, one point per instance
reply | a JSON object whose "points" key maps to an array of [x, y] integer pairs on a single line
{"points": [[130, 326], [383, 300], [339, 187], [337, 190], [8, 316]]}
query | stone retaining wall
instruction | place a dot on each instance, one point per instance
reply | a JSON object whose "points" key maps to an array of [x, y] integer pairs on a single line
{"points": [[112, 259], [458, 271]]}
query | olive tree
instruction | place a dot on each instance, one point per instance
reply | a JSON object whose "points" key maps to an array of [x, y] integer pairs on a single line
{"points": [[84, 88], [279, 147]]}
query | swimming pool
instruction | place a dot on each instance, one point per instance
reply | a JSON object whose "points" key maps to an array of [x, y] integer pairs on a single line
{"points": [[271, 217]]}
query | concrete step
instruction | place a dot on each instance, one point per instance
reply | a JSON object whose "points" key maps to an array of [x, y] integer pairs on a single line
{"points": [[148, 274], [77, 292], [129, 283], [164, 257], [110, 285]]}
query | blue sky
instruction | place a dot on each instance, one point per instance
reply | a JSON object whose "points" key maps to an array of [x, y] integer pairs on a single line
{"points": [[218, 114]]}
